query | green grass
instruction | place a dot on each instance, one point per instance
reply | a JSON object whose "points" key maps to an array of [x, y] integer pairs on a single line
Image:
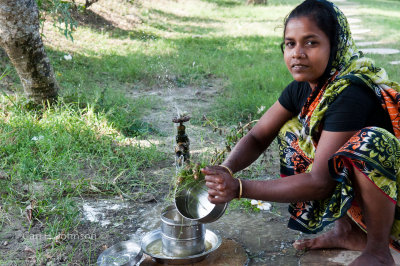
{"points": [[63, 152]]}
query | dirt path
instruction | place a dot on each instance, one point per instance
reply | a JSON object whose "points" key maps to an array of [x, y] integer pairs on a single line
{"points": [[172, 100]]}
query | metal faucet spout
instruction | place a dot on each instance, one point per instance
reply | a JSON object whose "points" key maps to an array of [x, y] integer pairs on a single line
{"points": [[182, 140]]}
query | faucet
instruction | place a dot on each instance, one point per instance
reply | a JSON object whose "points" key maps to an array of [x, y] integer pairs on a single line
{"points": [[182, 140]]}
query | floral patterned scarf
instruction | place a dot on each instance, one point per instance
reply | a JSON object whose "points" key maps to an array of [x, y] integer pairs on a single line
{"points": [[349, 66], [298, 138]]}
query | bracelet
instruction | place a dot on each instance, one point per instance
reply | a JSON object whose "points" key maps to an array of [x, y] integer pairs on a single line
{"points": [[240, 188], [227, 168]]}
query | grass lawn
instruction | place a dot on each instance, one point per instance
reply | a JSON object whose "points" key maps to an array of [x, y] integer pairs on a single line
{"points": [[91, 143]]}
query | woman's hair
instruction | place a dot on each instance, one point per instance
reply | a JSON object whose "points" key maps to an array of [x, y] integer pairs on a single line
{"points": [[324, 17]]}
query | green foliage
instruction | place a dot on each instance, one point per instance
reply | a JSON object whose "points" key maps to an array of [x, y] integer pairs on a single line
{"points": [[61, 12], [191, 173], [63, 152], [232, 135], [243, 204]]}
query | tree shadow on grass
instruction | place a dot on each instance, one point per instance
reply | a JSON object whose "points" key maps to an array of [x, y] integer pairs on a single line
{"points": [[103, 81], [96, 80], [100, 24], [93, 20], [226, 3], [158, 20], [180, 18]]}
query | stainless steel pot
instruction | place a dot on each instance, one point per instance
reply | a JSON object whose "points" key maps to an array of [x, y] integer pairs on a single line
{"points": [[181, 237], [192, 203]]}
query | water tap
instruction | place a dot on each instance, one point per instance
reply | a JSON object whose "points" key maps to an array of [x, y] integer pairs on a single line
{"points": [[182, 140]]}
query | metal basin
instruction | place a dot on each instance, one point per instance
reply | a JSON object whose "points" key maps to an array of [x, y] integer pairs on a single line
{"points": [[192, 203], [126, 253], [181, 237], [151, 245]]}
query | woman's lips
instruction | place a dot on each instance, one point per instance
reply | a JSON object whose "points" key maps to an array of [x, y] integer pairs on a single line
{"points": [[299, 67]]}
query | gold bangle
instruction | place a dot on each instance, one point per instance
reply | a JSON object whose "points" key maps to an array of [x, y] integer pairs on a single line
{"points": [[240, 181], [240, 188], [227, 168]]}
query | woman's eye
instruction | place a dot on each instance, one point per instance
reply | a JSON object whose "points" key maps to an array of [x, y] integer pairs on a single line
{"points": [[310, 43], [289, 44]]}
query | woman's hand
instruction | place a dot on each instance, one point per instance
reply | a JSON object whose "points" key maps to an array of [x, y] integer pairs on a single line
{"points": [[222, 187]]}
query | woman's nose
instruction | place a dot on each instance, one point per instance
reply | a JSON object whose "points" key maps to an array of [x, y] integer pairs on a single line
{"points": [[298, 52]]}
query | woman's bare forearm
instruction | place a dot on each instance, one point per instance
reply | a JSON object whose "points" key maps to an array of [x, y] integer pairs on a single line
{"points": [[246, 151], [300, 187], [250, 147], [316, 184]]}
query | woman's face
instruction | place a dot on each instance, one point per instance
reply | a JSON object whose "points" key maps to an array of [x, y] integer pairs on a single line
{"points": [[306, 50]]}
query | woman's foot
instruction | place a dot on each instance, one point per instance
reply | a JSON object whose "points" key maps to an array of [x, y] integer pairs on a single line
{"points": [[346, 235], [375, 258]]}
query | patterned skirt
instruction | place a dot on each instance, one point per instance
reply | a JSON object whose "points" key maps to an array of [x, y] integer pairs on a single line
{"points": [[373, 151]]}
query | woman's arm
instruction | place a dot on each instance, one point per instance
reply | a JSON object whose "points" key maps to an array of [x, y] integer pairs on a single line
{"points": [[246, 151], [250, 147], [317, 184]]}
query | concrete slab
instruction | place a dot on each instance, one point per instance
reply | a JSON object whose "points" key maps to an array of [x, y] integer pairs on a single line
{"points": [[395, 62], [358, 38], [361, 44], [360, 31], [355, 26], [350, 11], [380, 51], [334, 257], [353, 20], [229, 253]]}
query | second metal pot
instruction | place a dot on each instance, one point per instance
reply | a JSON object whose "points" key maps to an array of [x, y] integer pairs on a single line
{"points": [[181, 237], [192, 202]]}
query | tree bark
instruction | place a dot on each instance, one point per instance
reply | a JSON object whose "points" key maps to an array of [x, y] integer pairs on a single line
{"points": [[20, 38]]}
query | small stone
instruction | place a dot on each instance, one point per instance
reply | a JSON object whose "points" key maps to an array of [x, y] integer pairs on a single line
{"points": [[3, 175], [29, 250], [5, 243]]}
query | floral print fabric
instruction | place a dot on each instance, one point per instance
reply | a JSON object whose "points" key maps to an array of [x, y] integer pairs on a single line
{"points": [[374, 151]]}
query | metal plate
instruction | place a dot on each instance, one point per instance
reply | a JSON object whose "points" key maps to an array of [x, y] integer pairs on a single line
{"points": [[126, 253], [155, 235]]}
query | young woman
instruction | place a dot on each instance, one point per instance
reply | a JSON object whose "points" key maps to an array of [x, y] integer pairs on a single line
{"points": [[338, 125]]}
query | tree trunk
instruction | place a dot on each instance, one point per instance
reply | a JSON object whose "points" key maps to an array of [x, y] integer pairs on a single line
{"points": [[20, 38]]}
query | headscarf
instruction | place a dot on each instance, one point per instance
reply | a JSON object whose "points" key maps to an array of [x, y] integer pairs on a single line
{"points": [[349, 66]]}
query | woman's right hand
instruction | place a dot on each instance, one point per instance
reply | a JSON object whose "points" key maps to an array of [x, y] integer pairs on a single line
{"points": [[222, 187]]}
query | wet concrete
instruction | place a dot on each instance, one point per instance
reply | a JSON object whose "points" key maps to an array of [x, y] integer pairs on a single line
{"points": [[264, 235], [334, 257], [229, 253]]}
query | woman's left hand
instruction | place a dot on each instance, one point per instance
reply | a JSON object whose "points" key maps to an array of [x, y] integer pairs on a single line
{"points": [[222, 187]]}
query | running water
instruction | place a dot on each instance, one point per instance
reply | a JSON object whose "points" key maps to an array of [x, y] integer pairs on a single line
{"points": [[179, 161], [179, 164]]}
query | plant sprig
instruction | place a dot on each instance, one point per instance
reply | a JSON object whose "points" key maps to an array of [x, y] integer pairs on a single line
{"points": [[232, 136]]}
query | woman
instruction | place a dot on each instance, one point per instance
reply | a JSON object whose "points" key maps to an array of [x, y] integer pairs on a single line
{"points": [[337, 125]]}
